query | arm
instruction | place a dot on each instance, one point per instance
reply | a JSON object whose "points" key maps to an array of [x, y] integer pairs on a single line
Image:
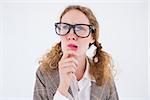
{"points": [[40, 91]]}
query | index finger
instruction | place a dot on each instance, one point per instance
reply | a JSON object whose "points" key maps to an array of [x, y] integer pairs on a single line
{"points": [[70, 53]]}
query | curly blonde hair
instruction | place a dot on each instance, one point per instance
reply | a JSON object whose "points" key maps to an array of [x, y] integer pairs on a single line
{"points": [[100, 70]]}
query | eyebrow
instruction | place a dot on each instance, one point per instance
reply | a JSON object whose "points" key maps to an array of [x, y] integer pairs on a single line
{"points": [[75, 23]]}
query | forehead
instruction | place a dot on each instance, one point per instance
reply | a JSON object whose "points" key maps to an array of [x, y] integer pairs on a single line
{"points": [[75, 17]]}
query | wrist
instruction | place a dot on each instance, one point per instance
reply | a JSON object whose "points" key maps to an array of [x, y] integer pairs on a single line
{"points": [[63, 91]]}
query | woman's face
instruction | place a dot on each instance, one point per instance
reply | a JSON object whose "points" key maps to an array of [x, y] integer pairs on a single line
{"points": [[71, 41]]}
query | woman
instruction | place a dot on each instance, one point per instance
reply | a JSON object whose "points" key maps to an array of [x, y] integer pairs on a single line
{"points": [[66, 72]]}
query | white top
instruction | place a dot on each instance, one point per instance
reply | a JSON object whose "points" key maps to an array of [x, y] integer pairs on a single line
{"points": [[84, 87]]}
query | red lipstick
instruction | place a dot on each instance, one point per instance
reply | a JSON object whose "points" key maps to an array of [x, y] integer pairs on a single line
{"points": [[72, 47]]}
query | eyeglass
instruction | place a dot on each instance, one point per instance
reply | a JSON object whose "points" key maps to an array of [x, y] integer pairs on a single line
{"points": [[81, 30]]}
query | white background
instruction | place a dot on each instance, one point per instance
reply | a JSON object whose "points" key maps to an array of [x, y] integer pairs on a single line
{"points": [[27, 32]]}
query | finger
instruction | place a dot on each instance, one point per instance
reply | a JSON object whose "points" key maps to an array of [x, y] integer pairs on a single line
{"points": [[67, 61], [70, 53], [69, 64], [67, 70], [71, 59]]}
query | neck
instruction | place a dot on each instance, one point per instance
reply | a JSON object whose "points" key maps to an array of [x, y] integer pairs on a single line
{"points": [[81, 68]]}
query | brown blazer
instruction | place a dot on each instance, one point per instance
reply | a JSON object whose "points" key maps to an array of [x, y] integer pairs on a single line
{"points": [[46, 85]]}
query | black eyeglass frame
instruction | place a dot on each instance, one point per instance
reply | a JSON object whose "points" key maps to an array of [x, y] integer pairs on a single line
{"points": [[91, 29]]}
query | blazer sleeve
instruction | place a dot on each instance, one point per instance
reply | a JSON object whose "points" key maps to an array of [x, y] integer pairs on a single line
{"points": [[40, 92]]}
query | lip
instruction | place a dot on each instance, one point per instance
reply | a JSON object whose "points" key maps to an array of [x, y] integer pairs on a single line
{"points": [[72, 47]]}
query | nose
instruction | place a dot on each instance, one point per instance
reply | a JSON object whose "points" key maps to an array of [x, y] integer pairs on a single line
{"points": [[71, 35]]}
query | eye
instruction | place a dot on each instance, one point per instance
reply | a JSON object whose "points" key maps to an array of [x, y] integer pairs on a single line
{"points": [[64, 27], [79, 28]]}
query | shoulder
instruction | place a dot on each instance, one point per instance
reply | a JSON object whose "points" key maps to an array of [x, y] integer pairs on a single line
{"points": [[110, 88], [47, 73], [49, 78]]}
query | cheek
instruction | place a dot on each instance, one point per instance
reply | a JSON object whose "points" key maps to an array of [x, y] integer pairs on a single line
{"points": [[84, 45], [62, 39]]}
